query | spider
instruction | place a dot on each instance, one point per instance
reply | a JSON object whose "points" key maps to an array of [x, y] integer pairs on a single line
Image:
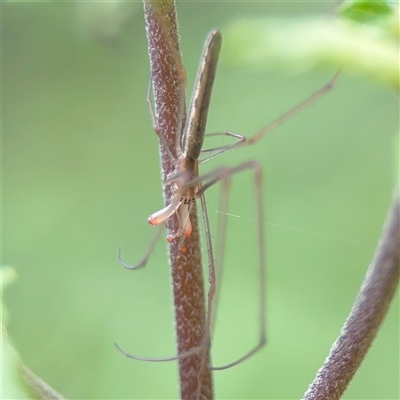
{"points": [[187, 185]]}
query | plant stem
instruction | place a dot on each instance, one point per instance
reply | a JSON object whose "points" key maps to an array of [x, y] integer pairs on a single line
{"points": [[366, 316], [186, 268]]}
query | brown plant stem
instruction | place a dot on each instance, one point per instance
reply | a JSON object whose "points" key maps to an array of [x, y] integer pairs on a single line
{"points": [[366, 316], [186, 268]]}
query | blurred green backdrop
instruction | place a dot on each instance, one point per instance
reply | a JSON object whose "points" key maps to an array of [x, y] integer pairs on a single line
{"points": [[81, 175]]}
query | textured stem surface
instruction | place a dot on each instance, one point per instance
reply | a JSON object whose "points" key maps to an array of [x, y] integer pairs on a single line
{"points": [[186, 268], [366, 316]]}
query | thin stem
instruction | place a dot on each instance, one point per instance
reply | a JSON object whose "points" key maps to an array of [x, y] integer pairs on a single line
{"points": [[366, 316], [37, 388], [186, 267]]}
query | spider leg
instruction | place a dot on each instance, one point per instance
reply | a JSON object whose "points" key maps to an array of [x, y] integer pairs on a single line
{"points": [[144, 260], [223, 175], [296, 109]]}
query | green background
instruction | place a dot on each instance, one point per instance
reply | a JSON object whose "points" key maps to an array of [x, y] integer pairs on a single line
{"points": [[81, 175]]}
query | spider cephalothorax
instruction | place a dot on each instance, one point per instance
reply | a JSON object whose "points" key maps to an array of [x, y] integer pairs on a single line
{"points": [[185, 187]]}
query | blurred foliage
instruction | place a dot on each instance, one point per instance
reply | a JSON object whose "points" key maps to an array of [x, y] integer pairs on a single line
{"points": [[367, 11], [8, 275], [302, 43], [11, 387], [107, 21], [80, 177], [11, 382]]}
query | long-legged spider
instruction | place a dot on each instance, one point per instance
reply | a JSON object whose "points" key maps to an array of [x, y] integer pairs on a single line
{"points": [[187, 186]]}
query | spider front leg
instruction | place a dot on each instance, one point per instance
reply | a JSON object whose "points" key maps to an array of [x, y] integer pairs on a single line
{"points": [[293, 111], [242, 140]]}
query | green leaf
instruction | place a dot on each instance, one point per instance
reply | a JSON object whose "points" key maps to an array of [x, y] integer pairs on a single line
{"points": [[366, 11]]}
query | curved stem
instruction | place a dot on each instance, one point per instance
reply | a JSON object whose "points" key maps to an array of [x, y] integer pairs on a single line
{"points": [[366, 316]]}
